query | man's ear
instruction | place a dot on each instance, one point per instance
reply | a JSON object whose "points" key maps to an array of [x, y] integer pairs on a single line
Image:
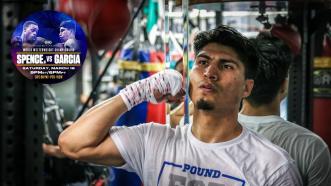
{"points": [[283, 88], [248, 87]]}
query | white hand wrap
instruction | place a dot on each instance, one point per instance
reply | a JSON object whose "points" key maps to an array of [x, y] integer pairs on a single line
{"points": [[165, 82]]}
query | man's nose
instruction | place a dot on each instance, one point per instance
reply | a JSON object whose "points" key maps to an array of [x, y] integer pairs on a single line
{"points": [[211, 72]]}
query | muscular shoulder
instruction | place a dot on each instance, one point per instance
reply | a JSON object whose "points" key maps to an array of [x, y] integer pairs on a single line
{"points": [[165, 134], [152, 131]]}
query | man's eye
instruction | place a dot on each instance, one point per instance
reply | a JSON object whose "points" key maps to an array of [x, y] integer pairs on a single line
{"points": [[202, 62], [227, 66]]}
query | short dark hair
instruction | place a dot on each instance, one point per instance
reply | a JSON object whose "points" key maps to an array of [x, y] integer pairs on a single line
{"points": [[28, 23], [69, 25], [275, 61], [228, 36]]}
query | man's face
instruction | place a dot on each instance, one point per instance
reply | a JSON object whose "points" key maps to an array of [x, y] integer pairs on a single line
{"points": [[64, 34], [30, 33], [217, 80]]}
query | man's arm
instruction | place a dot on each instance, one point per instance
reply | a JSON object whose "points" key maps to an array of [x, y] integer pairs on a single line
{"points": [[319, 171], [52, 150], [88, 138]]}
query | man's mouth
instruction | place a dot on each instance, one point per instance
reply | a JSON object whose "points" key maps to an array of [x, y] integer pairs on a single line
{"points": [[207, 87]]}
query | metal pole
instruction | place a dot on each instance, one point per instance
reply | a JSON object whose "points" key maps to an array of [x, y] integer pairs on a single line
{"points": [[185, 10]]}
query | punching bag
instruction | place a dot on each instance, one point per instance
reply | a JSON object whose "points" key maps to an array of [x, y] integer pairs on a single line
{"points": [[322, 92], [105, 21], [289, 35], [327, 45]]}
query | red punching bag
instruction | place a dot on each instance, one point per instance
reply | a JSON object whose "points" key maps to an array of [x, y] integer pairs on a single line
{"points": [[327, 46], [79, 11], [289, 35], [108, 23], [105, 20], [322, 92], [322, 118]]}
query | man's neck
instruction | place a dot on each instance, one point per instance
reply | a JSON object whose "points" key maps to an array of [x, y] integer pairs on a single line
{"points": [[72, 36], [24, 40], [215, 128], [262, 110]]}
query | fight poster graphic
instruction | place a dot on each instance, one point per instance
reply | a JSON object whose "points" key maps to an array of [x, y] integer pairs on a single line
{"points": [[48, 46]]}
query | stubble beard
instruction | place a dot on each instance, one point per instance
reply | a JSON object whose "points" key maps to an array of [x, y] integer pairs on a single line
{"points": [[204, 105]]}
